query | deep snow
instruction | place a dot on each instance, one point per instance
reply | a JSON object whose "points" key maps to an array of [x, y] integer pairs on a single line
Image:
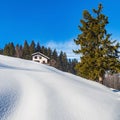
{"points": [[33, 91]]}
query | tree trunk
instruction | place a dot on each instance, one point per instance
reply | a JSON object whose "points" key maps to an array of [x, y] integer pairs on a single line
{"points": [[100, 79]]}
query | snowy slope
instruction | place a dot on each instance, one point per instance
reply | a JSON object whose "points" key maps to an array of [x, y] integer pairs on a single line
{"points": [[33, 91]]}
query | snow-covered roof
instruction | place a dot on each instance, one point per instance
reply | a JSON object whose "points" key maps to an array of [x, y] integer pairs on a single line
{"points": [[39, 53]]}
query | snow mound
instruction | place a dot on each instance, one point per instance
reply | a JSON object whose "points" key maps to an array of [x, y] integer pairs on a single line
{"points": [[33, 91]]}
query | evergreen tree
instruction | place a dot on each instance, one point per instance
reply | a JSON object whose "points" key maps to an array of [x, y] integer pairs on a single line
{"points": [[6, 50], [49, 52], [99, 53], [43, 50], [38, 48], [54, 55], [71, 65], [12, 49], [59, 61], [1, 51], [54, 58], [32, 47], [26, 51], [64, 62], [18, 51], [21, 51], [9, 49]]}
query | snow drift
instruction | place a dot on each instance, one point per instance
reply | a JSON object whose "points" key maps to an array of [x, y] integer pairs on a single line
{"points": [[33, 91]]}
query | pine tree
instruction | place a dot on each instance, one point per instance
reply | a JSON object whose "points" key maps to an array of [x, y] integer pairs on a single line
{"points": [[49, 52], [9, 49], [59, 61], [71, 65], [18, 51], [26, 51], [43, 50], [64, 62], [1, 51], [99, 53], [21, 51], [54, 55], [32, 47], [6, 50], [38, 48], [54, 58], [12, 49]]}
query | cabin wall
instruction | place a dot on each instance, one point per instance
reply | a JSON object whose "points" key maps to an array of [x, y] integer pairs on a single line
{"points": [[41, 59]]}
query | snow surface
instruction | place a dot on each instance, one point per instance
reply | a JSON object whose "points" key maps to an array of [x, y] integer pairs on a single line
{"points": [[33, 91], [118, 93]]}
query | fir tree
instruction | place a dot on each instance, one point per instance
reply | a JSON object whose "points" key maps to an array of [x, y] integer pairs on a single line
{"points": [[54, 55], [38, 48], [21, 51], [59, 61], [71, 65], [9, 49], [18, 51], [32, 47], [6, 50], [12, 49], [1, 51], [99, 53], [43, 50], [62, 61], [26, 51], [49, 52]]}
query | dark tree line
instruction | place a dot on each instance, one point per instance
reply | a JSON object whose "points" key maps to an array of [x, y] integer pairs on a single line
{"points": [[61, 61]]}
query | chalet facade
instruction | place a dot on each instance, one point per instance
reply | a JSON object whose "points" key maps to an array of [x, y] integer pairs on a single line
{"points": [[41, 58]]}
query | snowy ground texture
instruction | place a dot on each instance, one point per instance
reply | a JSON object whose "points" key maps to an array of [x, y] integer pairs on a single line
{"points": [[33, 91]]}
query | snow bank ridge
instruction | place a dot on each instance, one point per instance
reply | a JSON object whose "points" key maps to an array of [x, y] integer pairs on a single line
{"points": [[33, 91]]}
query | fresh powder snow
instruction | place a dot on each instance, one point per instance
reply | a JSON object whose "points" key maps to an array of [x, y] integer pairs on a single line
{"points": [[33, 91]]}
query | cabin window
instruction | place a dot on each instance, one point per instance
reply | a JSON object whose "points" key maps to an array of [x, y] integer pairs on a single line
{"points": [[40, 57], [43, 62], [35, 57]]}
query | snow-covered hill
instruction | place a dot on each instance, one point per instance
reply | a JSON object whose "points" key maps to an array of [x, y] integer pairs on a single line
{"points": [[33, 91]]}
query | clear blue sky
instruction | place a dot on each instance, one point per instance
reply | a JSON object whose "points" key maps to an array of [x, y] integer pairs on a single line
{"points": [[51, 22]]}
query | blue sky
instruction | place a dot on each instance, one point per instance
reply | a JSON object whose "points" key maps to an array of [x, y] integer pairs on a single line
{"points": [[53, 23]]}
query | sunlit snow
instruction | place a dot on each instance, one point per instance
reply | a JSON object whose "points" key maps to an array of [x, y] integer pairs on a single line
{"points": [[33, 91]]}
